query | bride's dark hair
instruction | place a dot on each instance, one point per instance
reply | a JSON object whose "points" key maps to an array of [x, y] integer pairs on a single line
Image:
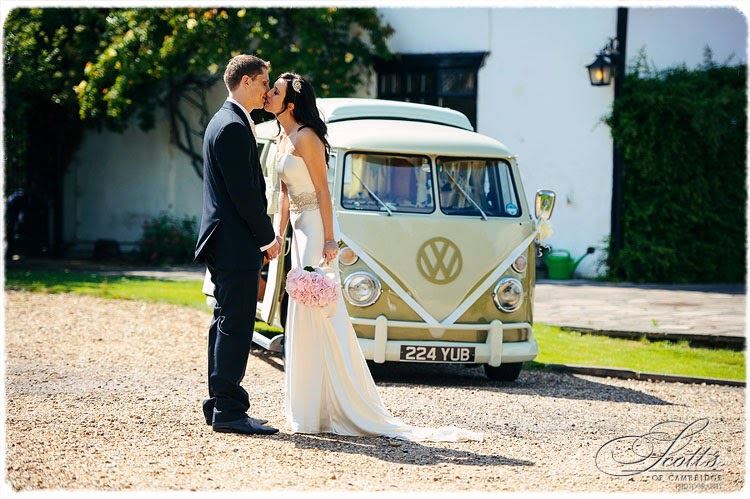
{"points": [[305, 111]]}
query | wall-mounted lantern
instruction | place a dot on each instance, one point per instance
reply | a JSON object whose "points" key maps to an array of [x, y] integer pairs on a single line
{"points": [[602, 70]]}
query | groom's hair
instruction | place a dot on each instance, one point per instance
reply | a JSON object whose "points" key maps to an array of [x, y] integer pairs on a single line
{"points": [[241, 65]]}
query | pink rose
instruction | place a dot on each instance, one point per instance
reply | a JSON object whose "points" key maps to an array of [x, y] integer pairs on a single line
{"points": [[313, 289]]}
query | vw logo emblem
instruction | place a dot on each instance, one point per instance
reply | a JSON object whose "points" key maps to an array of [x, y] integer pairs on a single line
{"points": [[439, 260]]}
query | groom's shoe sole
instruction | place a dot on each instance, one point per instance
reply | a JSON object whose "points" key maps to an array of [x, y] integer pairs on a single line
{"points": [[245, 426], [208, 415]]}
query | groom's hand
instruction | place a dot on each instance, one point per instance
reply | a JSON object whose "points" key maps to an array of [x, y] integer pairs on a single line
{"points": [[273, 251]]}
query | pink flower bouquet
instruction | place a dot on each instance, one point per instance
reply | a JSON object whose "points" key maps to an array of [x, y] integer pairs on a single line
{"points": [[311, 287]]}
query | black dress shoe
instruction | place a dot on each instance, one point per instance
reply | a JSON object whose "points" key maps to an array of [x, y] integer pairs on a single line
{"points": [[244, 425], [208, 413]]}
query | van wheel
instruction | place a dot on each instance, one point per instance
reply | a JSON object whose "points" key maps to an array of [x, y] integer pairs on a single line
{"points": [[503, 372]]}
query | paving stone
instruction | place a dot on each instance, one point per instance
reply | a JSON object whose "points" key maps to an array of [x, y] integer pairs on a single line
{"points": [[713, 310]]}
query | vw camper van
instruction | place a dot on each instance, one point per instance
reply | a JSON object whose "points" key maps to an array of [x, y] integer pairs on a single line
{"points": [[437, 255]]}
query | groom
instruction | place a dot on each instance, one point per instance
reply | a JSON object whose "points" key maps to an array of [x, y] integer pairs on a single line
{"points": [[234, 235]]}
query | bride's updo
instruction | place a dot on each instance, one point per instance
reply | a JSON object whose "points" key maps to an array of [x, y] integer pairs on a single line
{"points": [[300, 93]]}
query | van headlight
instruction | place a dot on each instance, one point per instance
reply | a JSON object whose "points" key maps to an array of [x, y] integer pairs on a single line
{"points": [[361, 289], [508, 294]]}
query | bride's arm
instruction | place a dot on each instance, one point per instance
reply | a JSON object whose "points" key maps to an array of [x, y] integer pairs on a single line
{"points": [[312, 151]]}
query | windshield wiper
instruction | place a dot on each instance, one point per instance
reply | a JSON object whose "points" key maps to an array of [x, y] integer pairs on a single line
{"points": [[373, 194], [484, 216]]}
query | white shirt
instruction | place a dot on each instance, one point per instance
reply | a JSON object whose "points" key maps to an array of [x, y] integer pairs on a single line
{"points": [[252, 126], [247, 113]]}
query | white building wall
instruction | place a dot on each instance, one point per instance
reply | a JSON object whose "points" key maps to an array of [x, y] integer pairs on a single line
{"points": [[545, 109], [673, 35], [117, 181], [429, 30]]}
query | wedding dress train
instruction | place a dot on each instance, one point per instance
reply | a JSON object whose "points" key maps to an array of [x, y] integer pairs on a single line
{"points": [[328, 386]]}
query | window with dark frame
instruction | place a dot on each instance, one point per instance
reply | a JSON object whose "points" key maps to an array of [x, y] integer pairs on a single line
{"points": [[446, 80]]}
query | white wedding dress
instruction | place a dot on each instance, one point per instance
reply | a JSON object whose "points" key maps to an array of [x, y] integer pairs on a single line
{"points": [[328, 386]]}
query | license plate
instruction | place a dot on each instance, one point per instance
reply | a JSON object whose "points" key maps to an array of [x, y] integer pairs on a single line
{"points": [[437, 354]]}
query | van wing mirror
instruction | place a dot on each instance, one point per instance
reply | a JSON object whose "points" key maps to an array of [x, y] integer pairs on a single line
{"points": [[544, 204]]}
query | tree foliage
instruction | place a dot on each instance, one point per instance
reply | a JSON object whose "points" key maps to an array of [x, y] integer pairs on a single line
{"points": [[42, 63], [683, 137], [66, 69], [152, 51], [43, 50], [170, 57]]}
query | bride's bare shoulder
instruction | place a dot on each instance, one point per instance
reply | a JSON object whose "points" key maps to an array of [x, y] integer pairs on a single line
{"points": [[307, 140]]}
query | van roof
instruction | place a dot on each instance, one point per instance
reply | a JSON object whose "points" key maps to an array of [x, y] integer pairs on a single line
{"points": [[414, 138], [398, 134], [339, 109]]}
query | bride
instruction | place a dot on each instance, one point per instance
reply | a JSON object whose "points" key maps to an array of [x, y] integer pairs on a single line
{"points": [[328, 386]]}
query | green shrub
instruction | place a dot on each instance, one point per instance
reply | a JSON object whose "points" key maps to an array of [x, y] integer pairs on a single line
{"points": [[168, 239], [683, 136]]}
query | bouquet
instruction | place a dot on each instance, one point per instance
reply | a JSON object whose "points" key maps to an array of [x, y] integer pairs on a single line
{"points": [[313, 287]]}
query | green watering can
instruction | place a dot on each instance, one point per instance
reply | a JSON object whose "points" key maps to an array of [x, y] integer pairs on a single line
{"points": [[561, 265]]}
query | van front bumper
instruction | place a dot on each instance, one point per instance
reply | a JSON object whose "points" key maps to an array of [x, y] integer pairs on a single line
{"points": [[493, 351]]}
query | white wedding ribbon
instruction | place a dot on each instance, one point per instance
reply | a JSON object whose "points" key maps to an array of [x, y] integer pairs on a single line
{"points": [[500, 270], [429, 319], [470, 300]]}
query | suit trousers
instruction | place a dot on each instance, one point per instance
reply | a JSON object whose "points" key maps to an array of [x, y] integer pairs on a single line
{"points": [[229, 339]]}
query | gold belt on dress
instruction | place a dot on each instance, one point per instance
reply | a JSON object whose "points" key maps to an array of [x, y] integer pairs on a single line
{"points": [[303, 202]]}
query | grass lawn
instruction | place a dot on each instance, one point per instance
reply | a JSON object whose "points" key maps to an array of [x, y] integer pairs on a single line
{"points": [[186, 293], [665, 357], [555, 345]]}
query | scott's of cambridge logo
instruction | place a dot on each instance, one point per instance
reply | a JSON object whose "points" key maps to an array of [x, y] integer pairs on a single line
{"points": [[668, 447], [439, 260]]}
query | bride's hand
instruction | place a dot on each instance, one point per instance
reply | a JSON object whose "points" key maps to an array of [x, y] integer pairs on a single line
{"points": [[330, 250]]}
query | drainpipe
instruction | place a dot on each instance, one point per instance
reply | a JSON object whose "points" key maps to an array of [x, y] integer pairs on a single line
{"points": [[618, 167]]}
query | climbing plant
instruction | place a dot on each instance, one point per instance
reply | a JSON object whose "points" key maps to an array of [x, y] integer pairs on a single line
{"points": [[683, 136]]}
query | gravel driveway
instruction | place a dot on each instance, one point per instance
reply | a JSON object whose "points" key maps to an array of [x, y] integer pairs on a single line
{"points": [[106, 394]]}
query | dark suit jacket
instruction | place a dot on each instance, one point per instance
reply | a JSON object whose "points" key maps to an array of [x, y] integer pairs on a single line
{"points": [[234, 224]]}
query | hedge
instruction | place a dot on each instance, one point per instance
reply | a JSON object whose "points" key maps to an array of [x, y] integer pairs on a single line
{"points": [[683, 137]]}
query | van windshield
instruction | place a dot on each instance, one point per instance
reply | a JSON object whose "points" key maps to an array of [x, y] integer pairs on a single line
{"points": [[387, 182], [472, 186]]}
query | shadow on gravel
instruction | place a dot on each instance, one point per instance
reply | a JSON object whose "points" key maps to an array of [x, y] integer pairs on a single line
{"points": [[530, 382], [270, 358], [405, 453]]}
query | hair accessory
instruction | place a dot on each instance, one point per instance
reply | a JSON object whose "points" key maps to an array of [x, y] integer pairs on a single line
{"points": [[297, 85]]}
